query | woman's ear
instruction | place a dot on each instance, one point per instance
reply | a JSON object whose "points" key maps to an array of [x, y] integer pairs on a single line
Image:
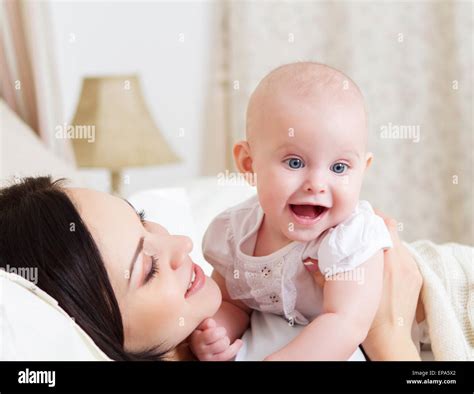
{"points": [[243, 161]]}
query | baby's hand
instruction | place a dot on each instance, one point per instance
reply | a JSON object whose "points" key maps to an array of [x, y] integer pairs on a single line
{"points": [[211, 343]]}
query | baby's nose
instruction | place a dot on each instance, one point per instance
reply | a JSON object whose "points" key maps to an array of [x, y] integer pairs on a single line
{"points": [[315, 187]]}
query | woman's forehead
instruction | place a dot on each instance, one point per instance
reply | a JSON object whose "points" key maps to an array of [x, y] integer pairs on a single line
{"points": [[115, 227], [96, 207]]}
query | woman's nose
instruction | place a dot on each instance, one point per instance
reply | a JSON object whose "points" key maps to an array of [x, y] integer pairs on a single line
{"points": [[180, 247]]}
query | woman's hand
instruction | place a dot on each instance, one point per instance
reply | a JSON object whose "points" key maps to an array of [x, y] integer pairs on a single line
{"points": [[389, 337], [402, 284]]}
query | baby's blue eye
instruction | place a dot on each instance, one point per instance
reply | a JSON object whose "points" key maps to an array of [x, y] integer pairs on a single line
{"points": [[295, 163], [339, 168]]}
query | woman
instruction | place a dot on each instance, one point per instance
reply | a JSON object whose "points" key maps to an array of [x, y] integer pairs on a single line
{"points": [[129, 283]]}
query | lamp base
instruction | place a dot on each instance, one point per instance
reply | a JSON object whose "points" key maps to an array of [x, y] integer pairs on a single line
{"points": [[116, 182]]}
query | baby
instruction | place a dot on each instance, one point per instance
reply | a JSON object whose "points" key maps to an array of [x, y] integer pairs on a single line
{"points": [[306, 152]]}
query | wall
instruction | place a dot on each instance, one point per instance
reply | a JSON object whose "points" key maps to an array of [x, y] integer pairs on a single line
{"points": [[97, 38]]}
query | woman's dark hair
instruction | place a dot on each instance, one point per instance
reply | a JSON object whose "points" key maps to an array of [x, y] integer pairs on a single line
{"points": [[40, 228]]}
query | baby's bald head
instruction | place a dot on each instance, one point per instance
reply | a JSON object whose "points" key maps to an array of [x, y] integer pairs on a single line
{"points": [[306, 143], [306, 81]]}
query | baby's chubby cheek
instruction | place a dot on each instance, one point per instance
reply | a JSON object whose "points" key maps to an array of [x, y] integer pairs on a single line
{"points": [[343, 205], [273, 193]]}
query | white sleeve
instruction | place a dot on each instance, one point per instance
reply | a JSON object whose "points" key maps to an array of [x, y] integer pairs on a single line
{"points": [[354, 241], [217, 244]]}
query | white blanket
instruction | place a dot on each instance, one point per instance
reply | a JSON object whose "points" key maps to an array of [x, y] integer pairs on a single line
{"points": [[448, 297]]}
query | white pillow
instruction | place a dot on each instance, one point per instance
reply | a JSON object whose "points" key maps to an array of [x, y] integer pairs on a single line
{"points": [[34, 328]]}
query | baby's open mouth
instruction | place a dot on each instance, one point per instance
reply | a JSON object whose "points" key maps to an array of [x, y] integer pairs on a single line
{"points": [[308, 211]]}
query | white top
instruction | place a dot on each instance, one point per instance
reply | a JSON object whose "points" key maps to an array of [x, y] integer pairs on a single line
{"points": [[268, 333], [279, 283]]}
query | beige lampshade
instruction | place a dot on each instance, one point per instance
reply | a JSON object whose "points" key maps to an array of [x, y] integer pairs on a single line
{"points": [[125, 134]]}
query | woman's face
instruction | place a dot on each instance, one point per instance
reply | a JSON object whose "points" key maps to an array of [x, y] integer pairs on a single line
{"points": [[150, 271]]}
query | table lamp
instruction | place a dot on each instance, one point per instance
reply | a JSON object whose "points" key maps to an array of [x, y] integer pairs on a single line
{"points": [[124, 132]]}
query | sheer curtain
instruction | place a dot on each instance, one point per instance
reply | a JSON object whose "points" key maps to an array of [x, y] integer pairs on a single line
{"points": [[28, 81], [413, 62]]}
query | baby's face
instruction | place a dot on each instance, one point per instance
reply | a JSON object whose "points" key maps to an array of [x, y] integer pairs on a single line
{"points": [[310, 159]]}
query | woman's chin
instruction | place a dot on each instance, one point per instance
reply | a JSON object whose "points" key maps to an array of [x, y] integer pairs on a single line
{"points": [[207, 300], [214, 295]]}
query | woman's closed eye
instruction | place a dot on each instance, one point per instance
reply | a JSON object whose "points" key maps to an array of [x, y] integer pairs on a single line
{"points": [[154, 269], [141, 215]]}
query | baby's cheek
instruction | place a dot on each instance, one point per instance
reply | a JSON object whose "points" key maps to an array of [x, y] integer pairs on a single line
{"points": [[345, 202], [272, 190], [270, 203]]}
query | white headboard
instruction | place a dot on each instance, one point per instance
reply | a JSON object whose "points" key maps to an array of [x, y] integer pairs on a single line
{"points": [[23, 154]]}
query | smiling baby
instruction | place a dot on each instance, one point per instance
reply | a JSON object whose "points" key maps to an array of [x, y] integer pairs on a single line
{"points": [[306, 153]]}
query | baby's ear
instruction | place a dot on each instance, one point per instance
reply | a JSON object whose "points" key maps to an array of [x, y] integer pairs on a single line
{"points": [[243, 160], [368, 159]]}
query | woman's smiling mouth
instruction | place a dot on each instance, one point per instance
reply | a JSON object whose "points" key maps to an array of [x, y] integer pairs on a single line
{"points": [[196, 282]]}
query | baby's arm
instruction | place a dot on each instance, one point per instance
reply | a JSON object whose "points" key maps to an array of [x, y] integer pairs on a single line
{"points": [[216, 339], [348, 310], [233, 315]]}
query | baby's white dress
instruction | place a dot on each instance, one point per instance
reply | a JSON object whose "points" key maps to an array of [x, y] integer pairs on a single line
{"points": [[279, 283]]}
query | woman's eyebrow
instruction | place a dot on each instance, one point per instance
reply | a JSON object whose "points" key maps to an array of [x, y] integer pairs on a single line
{"points": [[135, 257], [141, 214], [139, 245], [129, 203]]}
